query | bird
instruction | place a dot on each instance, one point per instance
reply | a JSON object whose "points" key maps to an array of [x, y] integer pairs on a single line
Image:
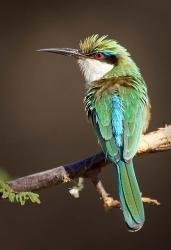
{"points": [[117, 103]]}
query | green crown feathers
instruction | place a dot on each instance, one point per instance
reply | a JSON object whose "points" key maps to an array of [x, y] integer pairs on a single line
{"points": [[95, 43]]}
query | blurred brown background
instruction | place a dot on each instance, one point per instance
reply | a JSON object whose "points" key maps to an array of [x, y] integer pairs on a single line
{"points": [[43, 123]]}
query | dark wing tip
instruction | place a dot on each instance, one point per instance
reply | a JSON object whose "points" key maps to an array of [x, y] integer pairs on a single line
{"points": [[136, 228]]}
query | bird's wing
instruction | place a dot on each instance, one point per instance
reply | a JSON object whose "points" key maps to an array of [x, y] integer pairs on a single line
{"points": [[102, 121], [133, 122], [119, 119]]}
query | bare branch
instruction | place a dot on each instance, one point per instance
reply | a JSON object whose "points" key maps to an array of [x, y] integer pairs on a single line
{"points": [[108, 201], [156, 141], [150, 201]]}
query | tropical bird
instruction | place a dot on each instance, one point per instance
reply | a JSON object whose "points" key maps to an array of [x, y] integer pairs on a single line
{"points": [[117, 103]]}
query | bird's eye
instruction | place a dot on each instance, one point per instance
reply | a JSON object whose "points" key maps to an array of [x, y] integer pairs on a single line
{"points": [[98, 55]]}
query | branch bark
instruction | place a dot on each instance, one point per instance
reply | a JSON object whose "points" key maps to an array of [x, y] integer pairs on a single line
{"points": [[156, 141]]}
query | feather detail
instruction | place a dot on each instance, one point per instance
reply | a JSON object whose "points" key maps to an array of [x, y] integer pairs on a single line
{"points": [[117, 120], [130, 196], [95, 43]]}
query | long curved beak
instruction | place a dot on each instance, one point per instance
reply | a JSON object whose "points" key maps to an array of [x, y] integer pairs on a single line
{"points": [[64, 51]]}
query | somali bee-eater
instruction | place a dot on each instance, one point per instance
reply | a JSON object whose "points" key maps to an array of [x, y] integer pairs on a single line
{"points": [[118, 105]]}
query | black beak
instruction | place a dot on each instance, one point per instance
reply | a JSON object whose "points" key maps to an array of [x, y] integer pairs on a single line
{"points": [[64, 51]]}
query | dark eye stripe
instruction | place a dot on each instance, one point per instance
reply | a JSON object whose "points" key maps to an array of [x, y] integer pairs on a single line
{"points": [[111, 59], [105, 57]]}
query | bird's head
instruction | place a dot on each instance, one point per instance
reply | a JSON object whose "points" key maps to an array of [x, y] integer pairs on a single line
{"points": [[97, 56]]}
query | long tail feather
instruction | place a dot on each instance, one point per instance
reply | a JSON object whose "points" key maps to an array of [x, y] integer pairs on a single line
{"points": [[130, 196]]}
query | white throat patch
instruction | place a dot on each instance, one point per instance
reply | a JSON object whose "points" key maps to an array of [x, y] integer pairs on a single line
{"points": [[93, 69]]}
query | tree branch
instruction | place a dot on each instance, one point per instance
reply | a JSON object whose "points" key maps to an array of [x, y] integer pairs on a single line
{"points": [[156, 141], [108, 201]]}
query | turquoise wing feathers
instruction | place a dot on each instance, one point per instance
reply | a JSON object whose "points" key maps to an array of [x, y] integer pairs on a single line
{"points": [[134, 121], [118, 119]]}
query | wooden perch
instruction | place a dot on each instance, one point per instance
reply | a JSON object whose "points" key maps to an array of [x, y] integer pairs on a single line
{"points": [[156, 141]]}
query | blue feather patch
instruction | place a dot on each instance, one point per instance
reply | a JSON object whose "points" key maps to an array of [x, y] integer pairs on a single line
{"points": [[108, 53], [117, 120]]}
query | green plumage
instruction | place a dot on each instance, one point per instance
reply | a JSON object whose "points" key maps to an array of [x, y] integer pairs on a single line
{"points": [[130, 195], [134, 113], [125, 84], [118, 105]]}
